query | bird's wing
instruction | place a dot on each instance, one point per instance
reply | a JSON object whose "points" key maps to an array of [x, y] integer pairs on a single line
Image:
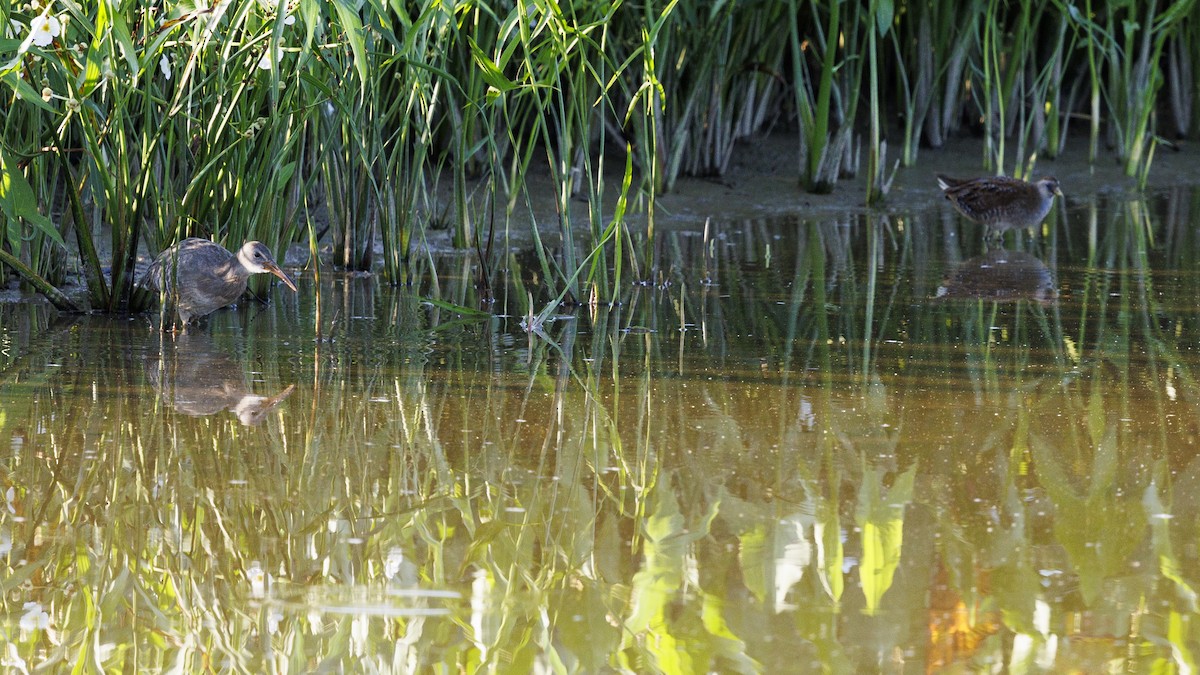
{"points": [[986, 194]]}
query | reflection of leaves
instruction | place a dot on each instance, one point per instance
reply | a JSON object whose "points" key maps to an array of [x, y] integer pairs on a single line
{"points": [[729, 647], [20, 574], [775, 559], [1097, 530], [662, 571], [881, 518], [486, 543], [666, 542], [831, 555], [1160, 535], [752, 550], [675, 644], [1015, 589]]}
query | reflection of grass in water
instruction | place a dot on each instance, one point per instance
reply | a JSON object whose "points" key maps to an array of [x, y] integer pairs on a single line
{"points": [[616, 497]]}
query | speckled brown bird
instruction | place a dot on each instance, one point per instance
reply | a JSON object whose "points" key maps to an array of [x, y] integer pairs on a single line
{"points": [[199, 276], [1001, 203]]}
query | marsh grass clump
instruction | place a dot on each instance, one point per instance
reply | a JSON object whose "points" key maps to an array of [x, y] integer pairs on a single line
{"points": [[279, 120]]}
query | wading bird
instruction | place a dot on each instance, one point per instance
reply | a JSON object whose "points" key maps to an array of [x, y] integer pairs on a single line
{"points": [[199, 276], [1001, 203]]}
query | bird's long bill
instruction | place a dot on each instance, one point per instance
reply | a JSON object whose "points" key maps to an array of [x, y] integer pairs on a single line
{"points": [[274, 269]]}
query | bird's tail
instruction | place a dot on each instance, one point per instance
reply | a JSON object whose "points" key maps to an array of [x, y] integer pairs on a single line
{"points": [[946, 182]]}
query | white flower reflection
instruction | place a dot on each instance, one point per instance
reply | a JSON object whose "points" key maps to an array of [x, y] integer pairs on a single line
{"points": [[34, 618], [398, 569], [12, 660], [274, 617], [258, 579], [360, 630], [391, 564], [43, 29]]}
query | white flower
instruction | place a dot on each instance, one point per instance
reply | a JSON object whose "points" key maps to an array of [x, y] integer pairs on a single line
{"points": [[47, 94], [5, 543], [72, 104], [271, 6], [164, 64], [35, 618], [44, 28], [265, 62]]}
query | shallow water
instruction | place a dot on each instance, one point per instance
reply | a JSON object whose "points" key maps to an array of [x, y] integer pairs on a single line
{"points": [[860, 443]]}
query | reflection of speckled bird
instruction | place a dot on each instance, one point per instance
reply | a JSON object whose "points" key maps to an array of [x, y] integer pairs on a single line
{"points": [[1001, 203], [200, 276], [198, 380], [1000, 276]]}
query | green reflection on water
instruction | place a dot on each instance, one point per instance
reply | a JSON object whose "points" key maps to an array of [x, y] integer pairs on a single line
{"points": [[856, 444]]}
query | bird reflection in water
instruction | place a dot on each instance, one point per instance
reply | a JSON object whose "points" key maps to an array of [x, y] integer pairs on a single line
{"points": [[197, 379], [1002, 276]]}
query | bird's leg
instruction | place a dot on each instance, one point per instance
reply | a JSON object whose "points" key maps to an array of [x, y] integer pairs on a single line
{"points": [[262, 299], [993, 239]]}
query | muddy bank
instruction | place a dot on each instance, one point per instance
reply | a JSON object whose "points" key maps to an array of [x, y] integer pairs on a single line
{"points": [[764, 180]]}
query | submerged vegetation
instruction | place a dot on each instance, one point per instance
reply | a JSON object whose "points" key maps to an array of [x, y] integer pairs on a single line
{"points": [[283, 120]]}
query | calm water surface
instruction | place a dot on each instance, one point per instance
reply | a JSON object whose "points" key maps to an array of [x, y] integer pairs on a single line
{"points": [[860, 443]]}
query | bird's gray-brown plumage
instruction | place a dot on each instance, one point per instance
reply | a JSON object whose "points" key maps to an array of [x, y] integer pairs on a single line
{"points": [[1001, 203], [199, 276]]}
